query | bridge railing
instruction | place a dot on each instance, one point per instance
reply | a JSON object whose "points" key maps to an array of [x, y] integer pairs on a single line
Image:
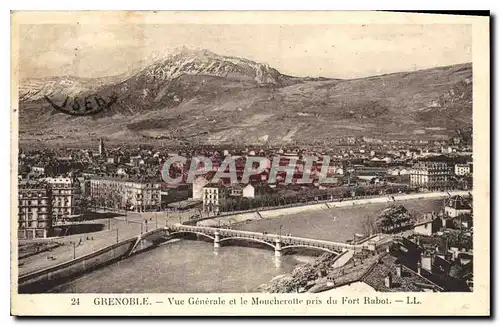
{"points": [[270, 237]]}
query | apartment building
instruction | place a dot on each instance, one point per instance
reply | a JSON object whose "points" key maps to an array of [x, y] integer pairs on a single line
{"points": [[430, 175], [463, 169], [35, 210], [37, 171], [125, 193], [238, 190], [213, 194], [65, 198]]}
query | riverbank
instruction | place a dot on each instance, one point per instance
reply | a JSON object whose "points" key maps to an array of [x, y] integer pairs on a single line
{"points": [[312, 276], [237, 218], [303, 276], [79, 245], [45, 279], [115, 229]]}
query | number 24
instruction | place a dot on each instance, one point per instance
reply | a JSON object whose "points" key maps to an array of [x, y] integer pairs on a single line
{"points": [[75, 301]]}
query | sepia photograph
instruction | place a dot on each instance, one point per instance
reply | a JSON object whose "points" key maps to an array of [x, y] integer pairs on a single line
{"points": [[329, 161]]}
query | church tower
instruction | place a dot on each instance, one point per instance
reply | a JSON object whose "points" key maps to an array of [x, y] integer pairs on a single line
{"points": [[101, 147]]}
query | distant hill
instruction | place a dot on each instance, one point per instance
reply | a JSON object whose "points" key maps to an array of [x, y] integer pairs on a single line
{"points": [[199, 96]]}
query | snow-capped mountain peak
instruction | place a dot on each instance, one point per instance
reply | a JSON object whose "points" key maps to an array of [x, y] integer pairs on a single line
{"points": [[204, 62]]}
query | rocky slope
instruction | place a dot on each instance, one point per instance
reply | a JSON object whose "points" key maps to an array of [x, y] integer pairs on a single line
{"points": [[203, 62], [301, 278]]}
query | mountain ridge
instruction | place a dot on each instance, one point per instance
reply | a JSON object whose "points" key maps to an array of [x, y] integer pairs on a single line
{"points": [[222, 99]]}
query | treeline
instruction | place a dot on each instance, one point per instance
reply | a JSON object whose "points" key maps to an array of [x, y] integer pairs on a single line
{"points": [[310, 195]]}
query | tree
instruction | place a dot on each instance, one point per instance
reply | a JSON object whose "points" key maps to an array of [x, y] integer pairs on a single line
{"points": [[109, 197], [85, 204], [369, 225], [393, 219]]}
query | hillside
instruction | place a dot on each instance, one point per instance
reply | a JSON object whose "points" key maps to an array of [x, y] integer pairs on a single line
{"points": [[34, 89], [215, 99]]}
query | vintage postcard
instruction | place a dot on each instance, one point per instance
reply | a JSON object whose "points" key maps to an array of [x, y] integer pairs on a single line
{"points": [[250, 163]]}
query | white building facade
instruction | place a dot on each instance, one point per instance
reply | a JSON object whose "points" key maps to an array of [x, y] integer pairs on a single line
{"points": [[212, 196], [430, 175], [462, 169], [66, 193]]}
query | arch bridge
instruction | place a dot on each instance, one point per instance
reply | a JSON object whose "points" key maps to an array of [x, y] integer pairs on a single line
{"points": [[277, 242]]}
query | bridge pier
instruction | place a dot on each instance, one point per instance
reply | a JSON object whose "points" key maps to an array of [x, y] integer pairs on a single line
{"points": [[277, 247], [277, 262], [216, 239]]}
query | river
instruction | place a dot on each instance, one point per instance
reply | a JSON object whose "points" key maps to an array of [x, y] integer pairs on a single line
{"points": [[188, 266]]}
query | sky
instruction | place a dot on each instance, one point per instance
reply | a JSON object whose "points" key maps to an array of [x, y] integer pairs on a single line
{"points": [[335, 51]]}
